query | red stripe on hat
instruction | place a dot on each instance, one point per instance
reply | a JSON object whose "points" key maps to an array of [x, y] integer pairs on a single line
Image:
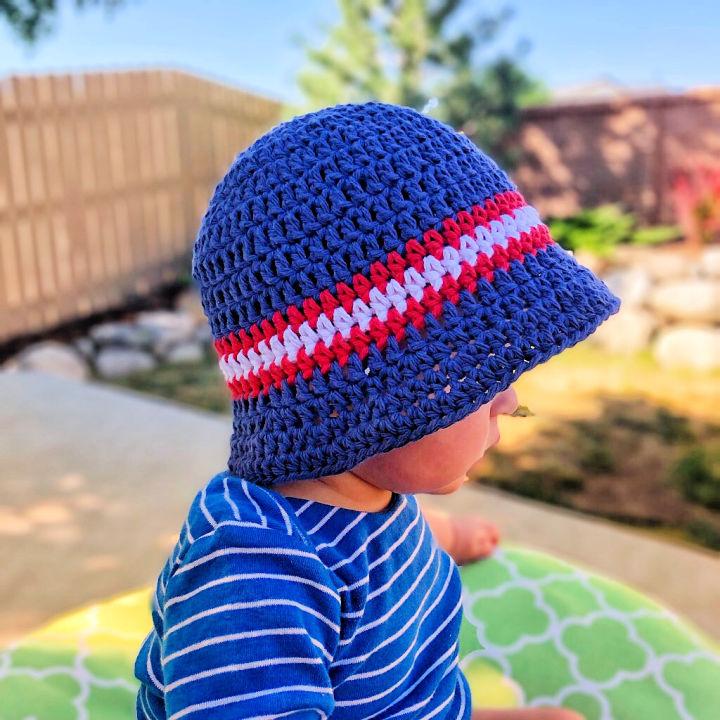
{"points": [[378, 332], [432, 242]]}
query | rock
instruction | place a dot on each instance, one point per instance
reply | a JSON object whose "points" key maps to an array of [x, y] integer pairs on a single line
{"points": [[631, 285], [688, 346], [710, 262], [10, 366], [164, 321], [696, 300], [54, 358], [664, 265], [167, 328], [188, 301], [188, 352], [85, 347], [122, 334], [113, 362], [204, 335], [627, 332], [590, 260]]}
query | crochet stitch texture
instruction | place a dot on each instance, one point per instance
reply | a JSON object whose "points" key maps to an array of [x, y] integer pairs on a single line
{"points": [[370, 276]]}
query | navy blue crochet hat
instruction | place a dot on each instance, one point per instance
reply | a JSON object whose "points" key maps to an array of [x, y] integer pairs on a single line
{"points": [[370, 277]]}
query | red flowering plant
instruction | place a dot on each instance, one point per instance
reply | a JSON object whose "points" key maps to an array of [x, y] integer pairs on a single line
{"points": [[696, 195]]}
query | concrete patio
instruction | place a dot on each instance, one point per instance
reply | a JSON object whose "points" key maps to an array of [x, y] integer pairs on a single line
{"points": [[95, 483]]}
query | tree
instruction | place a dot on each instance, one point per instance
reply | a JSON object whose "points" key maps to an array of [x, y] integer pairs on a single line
{"points": [[423, 54], [31, 19]]}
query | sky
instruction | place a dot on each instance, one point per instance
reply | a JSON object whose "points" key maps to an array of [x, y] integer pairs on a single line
{"points": [[253, 43]]}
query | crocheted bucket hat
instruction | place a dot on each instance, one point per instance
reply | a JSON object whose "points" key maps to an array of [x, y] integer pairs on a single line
{"points": [[370, 277]]}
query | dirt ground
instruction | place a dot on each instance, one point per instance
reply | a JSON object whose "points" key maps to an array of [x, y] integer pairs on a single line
{"points": [[617, 437]]}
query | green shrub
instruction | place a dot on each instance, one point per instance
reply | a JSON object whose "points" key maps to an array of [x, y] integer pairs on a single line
{"points": [[697, 474], [594, 450], [672, 428], [656, 235], [599, 230], [531, 484], [704, 533]]}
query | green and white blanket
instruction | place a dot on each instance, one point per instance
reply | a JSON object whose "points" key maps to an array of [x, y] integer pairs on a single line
{"points": [[537, 631]]}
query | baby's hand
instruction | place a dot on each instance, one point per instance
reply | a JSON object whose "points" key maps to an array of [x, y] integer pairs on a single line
{"points": [[465, 538], [473, 538]]}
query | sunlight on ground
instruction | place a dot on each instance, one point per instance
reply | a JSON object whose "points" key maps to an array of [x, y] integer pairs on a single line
{"points": [[576, 383]]}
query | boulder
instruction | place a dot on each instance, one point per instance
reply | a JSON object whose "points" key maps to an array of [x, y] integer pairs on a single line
{"points": [[188, 301], [695, 300], [167, 328], [86, 347], [688, 346], [11, 365], [113, 362], [187, 352], [204, 335], [710, 262], [668, 265], [121, 334], [627, 332], [631, 285], [54, 358]]}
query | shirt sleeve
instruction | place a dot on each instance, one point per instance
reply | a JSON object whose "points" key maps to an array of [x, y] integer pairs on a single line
{"points": [[251, 623]]}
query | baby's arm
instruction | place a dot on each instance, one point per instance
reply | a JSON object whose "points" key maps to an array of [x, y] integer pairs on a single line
{"points": [[465, 538], [251, 622]]}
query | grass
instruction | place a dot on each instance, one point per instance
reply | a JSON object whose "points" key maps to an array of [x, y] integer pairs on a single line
{"points": [[697, 475], [197, 384], [615, 437], [619, 438]]}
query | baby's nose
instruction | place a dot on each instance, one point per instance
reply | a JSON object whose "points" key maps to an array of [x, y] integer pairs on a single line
{"points": [[505, 402]]}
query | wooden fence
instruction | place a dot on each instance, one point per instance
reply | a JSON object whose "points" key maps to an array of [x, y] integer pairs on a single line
{"points": [[103, 181]]}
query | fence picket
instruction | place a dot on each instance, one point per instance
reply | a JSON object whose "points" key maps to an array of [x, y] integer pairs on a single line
{"points": [[103, 180]]}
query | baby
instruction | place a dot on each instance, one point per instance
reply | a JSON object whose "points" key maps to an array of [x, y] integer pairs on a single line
{"points": [[374, 284]]}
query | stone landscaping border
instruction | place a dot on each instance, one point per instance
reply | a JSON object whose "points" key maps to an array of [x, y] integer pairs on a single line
{"points": [[113, 349], [671, 305]]}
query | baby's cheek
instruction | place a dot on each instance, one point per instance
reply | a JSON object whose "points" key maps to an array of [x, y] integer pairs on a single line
{"points": [[435, 462], [450, 461], [475, 436], [451, 452]]}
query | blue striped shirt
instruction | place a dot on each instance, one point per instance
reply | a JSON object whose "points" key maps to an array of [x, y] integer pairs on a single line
{"points": [[276, 607]]}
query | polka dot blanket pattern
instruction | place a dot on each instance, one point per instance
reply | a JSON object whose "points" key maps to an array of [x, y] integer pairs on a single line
{"points": [[370, 276]]}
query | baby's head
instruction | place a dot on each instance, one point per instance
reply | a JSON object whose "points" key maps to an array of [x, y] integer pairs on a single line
{"points": [[373, 281], [438, 463]]}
